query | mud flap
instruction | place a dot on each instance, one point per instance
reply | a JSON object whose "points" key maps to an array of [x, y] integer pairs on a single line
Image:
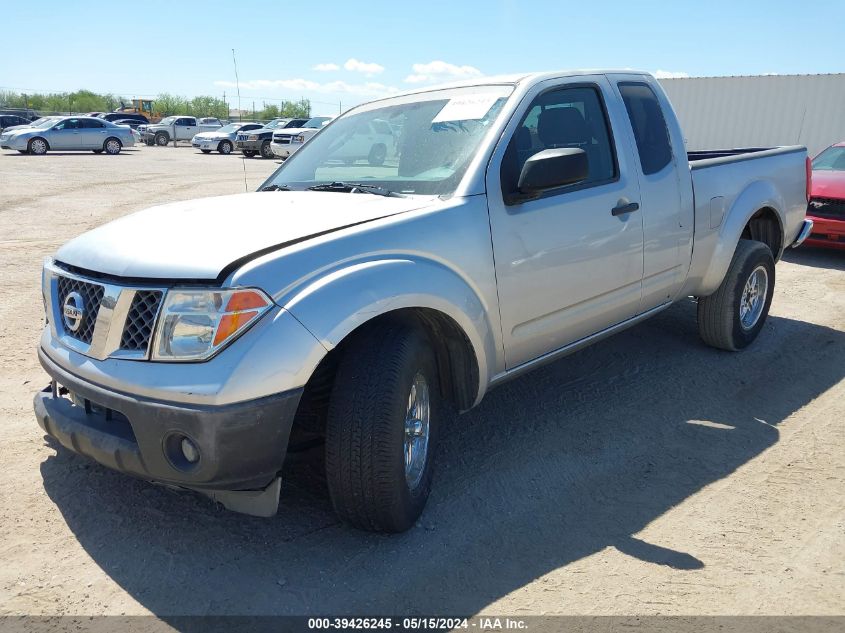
{"points": [[258, 503]]}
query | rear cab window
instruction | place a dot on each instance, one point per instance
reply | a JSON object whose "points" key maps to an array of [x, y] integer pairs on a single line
{"points": [[648, 124]]}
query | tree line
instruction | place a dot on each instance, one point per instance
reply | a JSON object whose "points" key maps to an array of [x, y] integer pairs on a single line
{"points": [[164, 104]]}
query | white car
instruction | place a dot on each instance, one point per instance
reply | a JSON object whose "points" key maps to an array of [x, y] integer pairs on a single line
{"points": [[287, 141], [222, 139]]}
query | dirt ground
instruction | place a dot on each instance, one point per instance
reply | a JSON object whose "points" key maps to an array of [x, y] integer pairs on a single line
{"points": [[648, 474]]}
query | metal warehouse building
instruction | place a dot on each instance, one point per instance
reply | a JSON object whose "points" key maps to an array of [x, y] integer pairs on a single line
{"points": [[760, 111]]}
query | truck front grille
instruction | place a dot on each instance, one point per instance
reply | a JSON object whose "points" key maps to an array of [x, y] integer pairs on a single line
{"points": [[282, 139], [91, 295], [140, 320], [827, 208]]}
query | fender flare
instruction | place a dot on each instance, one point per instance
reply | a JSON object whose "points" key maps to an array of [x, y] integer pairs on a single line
{"points": [[758, 195], [334, 305]]}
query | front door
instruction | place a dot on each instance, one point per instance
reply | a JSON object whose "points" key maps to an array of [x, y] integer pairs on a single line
{"points": [[570, 263], [66, 135]]}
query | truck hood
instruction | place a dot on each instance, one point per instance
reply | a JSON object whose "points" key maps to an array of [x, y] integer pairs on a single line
{"points": [[828, 184], [200, 239]]}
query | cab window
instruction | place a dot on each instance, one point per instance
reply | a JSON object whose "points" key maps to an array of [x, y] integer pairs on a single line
{"points": [[566, 117], [650, 132]]}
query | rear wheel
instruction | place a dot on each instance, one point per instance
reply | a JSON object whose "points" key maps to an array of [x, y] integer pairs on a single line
{"points": [[266, 152], [112, 146], [382, 428], [377, 155], [37, 146], [225, 147], [732, 317]]}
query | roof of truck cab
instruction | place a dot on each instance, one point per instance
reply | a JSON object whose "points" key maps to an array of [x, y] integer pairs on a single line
{"points": [[514, 79]]}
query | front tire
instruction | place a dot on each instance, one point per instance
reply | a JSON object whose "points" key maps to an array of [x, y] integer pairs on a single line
{"points": [[37, 146], [266, 152], [205, 151], [382, 428], [162, 139], [249, 153], [732, 317], [225, 147]]}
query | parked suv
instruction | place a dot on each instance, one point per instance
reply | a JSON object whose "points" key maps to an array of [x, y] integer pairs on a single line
{"points": [[286, 142], [258, 141]]}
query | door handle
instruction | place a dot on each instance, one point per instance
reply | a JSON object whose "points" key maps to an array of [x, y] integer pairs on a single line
{"points": [[622, 209]]}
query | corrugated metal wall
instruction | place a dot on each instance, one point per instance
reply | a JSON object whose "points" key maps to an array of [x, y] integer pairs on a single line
{"points": [[728, 112]]}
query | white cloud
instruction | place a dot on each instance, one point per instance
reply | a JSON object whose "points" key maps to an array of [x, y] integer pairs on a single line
{"points": [[358, 66], [326, 67], [299, 85], [439, 71], [668, 74]]}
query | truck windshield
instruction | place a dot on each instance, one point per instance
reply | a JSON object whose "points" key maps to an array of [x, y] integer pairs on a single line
{"points": [[415, 144], [168, 120], [832, 159]]}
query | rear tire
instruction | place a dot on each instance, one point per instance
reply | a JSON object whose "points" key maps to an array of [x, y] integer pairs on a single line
{"points": [[377, 155], [732, 317], [112, 146], [380, 448], [225, 147]]}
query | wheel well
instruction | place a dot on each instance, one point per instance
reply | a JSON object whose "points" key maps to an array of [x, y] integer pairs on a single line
{"points": [[39, 137], [764, 226], [456, 364]]}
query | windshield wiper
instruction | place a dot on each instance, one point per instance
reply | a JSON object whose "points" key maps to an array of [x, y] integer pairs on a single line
{"points": [[355, 187], [276, 188]]}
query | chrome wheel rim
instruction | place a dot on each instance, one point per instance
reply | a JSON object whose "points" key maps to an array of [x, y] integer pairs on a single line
{"points": [[112, 147], [161, 140], [38, 146], [225, 148], [753, 297], [417, 429]]}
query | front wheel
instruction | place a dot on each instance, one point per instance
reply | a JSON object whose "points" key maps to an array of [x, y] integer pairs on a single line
{"points": [[225, 147], [37, 146], [732, 317], [382, 428], [249, 153], [162, 139], [266, 152]]}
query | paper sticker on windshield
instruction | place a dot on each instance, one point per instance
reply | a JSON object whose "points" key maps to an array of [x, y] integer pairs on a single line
{"points": [[464, 108]]}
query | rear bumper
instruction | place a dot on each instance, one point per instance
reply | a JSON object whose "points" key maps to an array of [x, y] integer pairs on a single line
{"points": [[806, 229], [241, 446], [827, 233]]}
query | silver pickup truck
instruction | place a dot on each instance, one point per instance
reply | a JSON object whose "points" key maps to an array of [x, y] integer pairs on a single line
{"points": [[514, 220]]}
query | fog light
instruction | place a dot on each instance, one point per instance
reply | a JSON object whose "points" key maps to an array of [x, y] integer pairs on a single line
{"points": [[190, 451]]}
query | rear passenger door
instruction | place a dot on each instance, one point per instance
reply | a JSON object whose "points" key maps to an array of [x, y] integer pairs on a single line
{"points": [[569, 263], [667, 221], [93, 133]]}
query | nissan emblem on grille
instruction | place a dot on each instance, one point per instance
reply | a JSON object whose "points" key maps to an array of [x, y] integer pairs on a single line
{"points": [[73, 311]]}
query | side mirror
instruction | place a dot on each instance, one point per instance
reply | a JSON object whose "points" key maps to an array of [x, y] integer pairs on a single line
{"points": [[553, 168]]}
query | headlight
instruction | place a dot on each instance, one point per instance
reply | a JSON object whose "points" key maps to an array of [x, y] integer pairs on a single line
{"points": [[196, 324], [299, 139]]}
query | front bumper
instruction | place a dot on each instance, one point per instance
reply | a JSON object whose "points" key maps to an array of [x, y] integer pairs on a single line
{"points": [[250, 146], [284, 150], [241, 446], [206, 144], [827, 233]]}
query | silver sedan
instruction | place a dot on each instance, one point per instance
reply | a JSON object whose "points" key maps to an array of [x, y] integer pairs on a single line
{"points": [[222, 139], [69, 133]]}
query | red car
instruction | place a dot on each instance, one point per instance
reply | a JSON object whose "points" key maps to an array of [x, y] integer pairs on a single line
{"points": [[827, 198]]}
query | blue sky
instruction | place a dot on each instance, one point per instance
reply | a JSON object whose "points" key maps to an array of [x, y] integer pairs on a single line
{"points": [[352, 51]]}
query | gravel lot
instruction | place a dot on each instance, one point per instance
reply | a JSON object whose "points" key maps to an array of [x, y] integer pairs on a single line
{"points": [[648, 474]]}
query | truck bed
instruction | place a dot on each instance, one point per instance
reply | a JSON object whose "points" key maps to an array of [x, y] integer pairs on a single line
{"points": [[722, 156]]}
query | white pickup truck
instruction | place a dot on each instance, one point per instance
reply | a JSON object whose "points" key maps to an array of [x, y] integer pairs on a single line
{"points": [[516, 220], [180, 128]]}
